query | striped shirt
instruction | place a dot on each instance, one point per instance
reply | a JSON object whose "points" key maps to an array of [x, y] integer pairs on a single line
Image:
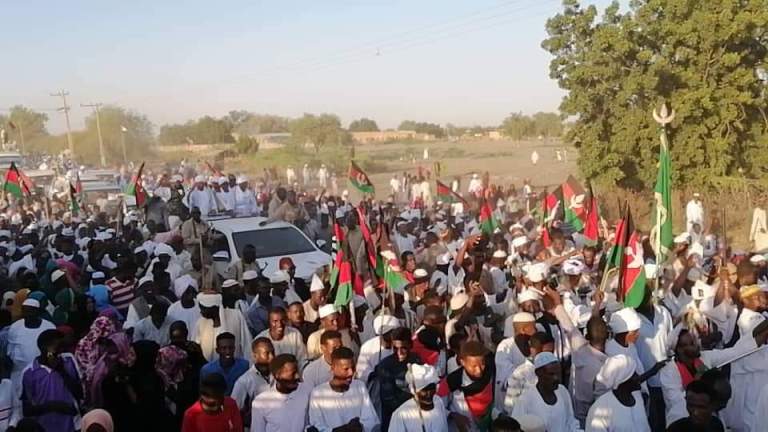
{"points": [[122, 293]]}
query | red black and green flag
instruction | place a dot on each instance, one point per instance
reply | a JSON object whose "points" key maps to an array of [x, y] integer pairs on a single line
{"points": [[487, 221], [338, 235], [135, 189], [447, 195], [627, 256], [74, 204], [359, 179], [591, 227], [365, 230], [552, 211], [574, 199], [16, 183]]}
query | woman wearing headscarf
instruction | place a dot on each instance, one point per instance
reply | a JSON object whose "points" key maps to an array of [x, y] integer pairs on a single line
{"points": [[83, 315], [97, 420], [87, 351], [171, 364], [64, 301], [8, 300], [116, 353], [19, 298]]}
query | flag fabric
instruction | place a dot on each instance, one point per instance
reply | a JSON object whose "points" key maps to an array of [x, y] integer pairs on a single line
{"points": [[591, 227], [574, 199], [394, 278], [344, 287], [74, 204], [15, 184], [627, 256], [487, 221], [365, 230], [661, 235], [338, 234], [215, 171], [135, 189], [554, 206], [447, 195], [359, 179]]}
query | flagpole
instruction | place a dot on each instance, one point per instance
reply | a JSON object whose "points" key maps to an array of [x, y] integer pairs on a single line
{"points": [[663, 117]]}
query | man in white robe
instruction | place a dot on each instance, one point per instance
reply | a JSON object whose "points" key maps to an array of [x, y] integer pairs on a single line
{"points": [[285, 339], [245, 199], [185, 309], [694, 212], [215, 319], [548, 400], [22, 339], [256, 381], [376, 348], [621, 409], [425, 412], [282, 408], [201, 198], [318, 371]]}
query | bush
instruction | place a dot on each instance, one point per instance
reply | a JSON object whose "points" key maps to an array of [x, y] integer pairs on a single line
{"points": [[246, 144]]}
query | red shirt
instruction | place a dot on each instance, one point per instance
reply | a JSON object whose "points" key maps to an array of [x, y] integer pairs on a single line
{"points": [[196, 420]]}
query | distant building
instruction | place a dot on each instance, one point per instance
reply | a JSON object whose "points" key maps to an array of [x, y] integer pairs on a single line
{"points": [[495, 135], [390, 135]]}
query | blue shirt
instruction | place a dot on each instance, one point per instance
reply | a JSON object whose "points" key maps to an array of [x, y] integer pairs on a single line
{"points": [[230, 375]]}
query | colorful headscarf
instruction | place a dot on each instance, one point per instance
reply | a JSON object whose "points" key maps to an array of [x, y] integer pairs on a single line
{"points": [[8, 295], [87, 351], [100, 295], [170, 365], [65, 302], [98, 417], [125, 356], [21, 295]]}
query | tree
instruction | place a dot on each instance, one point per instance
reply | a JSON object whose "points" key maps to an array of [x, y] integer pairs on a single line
{"points": [[256, 124], [139, 135], [706, 58], [422, 128], [205, 130], [22, 120], [363, 125], [319, 130], [518, 126]]}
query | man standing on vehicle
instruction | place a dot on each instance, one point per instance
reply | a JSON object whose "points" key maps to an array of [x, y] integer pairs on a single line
{"points": [[245, 199], [193, 230]]}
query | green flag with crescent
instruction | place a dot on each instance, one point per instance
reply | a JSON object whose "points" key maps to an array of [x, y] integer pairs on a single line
{"points": [[661, 235]]}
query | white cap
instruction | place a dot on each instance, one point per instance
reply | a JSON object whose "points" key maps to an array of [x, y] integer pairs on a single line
{"points": [[250, 275], [443, 259], [229, 283], [222, 180], [385, 323], [757, 259], [199, 179], [97, 275], [31, 302], [651, 271], [528, 295], [683, 238], [182, 283], [326, 310], [146, 279], [544, 358], [616, 370], [499, 254], [459, 300], [241, 179], [420, 273], [164, 249], [573, 267], [56, 275], [523, 317], [519, 241], [279, 276], [420, 376], [625, 320], [537, 272], [209, 300], [316, 284]]}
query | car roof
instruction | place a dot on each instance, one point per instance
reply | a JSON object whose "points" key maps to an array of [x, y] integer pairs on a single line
{"points": [[249, 223]]}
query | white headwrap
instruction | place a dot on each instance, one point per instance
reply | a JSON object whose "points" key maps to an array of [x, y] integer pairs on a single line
{"points": [[181, 284], [209, 300], [616, 370], [385, 323], [420, 376]]}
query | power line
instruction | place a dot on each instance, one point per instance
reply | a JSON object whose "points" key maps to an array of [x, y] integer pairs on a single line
{"points": [[65, 109], [96, 107]]}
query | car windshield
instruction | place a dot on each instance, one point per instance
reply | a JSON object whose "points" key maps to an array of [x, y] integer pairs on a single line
{"points": [[273, 242]]}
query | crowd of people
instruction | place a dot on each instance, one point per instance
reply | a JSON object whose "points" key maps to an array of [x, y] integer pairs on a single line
{"points": [[141, 321]]}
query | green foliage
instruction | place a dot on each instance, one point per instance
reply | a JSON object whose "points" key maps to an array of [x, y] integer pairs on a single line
{"points": [[21, 119], [519, 126], [205, 130], [363, 125], [254, 124], [706, 58], [319, 131], [425, 128], [139, 135], [246, 144]]}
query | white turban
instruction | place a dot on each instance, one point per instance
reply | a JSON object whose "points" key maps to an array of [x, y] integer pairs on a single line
{"points": [[164, 249], [573, 267], [625, 320], [250, 275], [420, 376], [528, 295], [279, 276], [616, 370], [385, 323], [537, 272], [229, 283], [209, 300], [326, 310], [316, 284], [199, 179], [181, 284]]}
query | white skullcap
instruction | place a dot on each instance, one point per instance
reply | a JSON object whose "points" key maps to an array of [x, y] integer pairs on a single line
{"points": [[519, 241], [229, 283], [651, 271], [177, 178], [420, 273], [544, 358], [420, 376], [209, 300], [616, 370], [97, 275], [523, 317], [31, 302], [199, 179], [701, 290], [316, 284], [499, 254], [56, 275], [757, 259], [531, 423], [573, 267], [537, 272], [458, 301], [222, 180], [683, 238], [388, 255], [443, 259], [326, 310], [345, 193], [385, 323], [5, 233], [279, 276], [164, 249], [528, 295], [181, 285], [250, 275], [696, 249], [625, 320], [241, 179], [146, 279]]}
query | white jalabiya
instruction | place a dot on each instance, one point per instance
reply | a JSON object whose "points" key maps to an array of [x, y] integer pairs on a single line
{"points": [[329, 409], [291, 343], [190, 316], [22, 343], [371, 354], [557, 418], [761, 411], [609, 415], [507, 358], [248, 386], [613, 348], [672, 385], [407, 419], [232, 321], [273, 411], [316, 372]]}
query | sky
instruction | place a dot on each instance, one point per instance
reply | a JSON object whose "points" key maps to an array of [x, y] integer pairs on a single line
{"points": [[445, 61]]}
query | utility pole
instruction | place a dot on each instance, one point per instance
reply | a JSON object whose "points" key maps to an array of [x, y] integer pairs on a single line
{"points": [[65, 109], [123, 131], [96, 107]]}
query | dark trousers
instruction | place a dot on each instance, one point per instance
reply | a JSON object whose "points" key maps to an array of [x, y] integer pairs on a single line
{"points": [[656, 410]]}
